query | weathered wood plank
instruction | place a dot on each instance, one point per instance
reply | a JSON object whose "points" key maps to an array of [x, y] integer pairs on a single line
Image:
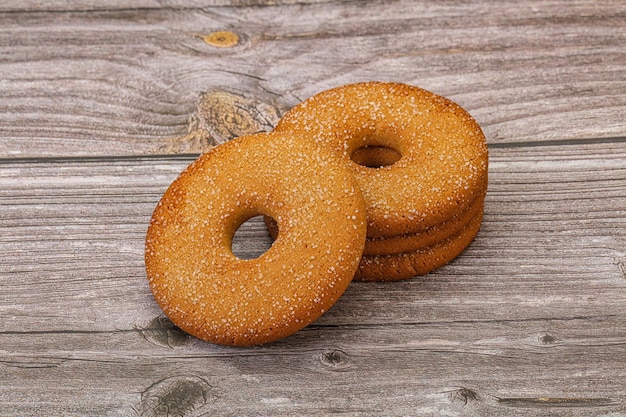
{"points": [[458, 368], [82, 81], [549, 220], [30, 6], [530, 319]]}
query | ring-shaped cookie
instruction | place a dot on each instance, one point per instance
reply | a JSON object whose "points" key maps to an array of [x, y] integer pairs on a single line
{"points": [[444, 157], [209, 292]]}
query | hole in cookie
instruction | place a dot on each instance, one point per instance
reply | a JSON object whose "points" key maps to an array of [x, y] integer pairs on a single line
{"points": [[375, 156], [251, 239]]}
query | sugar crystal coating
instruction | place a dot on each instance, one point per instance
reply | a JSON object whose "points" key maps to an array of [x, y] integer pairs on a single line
{"points": [[209, 292], [444, 158]]}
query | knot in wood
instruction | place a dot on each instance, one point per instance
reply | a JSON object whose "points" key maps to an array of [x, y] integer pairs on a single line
{"points": [[548, 339], [464, 396], [226, 116], [162, 332], [176, 396], [221, 39], [221, 116], [335, 359]]}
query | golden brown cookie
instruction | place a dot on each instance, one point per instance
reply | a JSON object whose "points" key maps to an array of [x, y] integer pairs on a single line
{"points": [[209, 292], [443, 163], [420, 262], [392, 245], [404, 265]]}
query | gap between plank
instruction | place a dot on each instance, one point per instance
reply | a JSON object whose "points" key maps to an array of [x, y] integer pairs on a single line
{"points": [[193, 156]]}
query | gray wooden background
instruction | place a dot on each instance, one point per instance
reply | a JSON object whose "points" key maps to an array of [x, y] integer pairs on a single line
{"points": [[102, 104]]}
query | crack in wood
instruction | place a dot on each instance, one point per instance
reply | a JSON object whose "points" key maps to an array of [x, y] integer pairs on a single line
{"points": [[544, 402], [559, 142], [34, 363], [621, 265]]}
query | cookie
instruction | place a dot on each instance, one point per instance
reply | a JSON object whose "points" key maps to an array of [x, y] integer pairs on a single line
{"points": [[443, 152], [212, 294]]}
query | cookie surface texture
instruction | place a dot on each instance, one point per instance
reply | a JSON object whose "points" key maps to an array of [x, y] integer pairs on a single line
{"points": [[443, 152], [395, 245], [212, 294]]}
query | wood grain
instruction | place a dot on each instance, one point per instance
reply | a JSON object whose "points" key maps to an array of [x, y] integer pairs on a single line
{"points": [[103, 104], [530, 318], [87, 79]]}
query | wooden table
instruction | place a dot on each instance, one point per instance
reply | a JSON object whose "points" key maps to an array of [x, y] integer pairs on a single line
{"points": [[104, 103]]}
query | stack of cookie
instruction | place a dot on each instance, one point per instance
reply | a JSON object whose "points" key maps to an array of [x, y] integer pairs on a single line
{"points": [[371, 181], [421, 162]]}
